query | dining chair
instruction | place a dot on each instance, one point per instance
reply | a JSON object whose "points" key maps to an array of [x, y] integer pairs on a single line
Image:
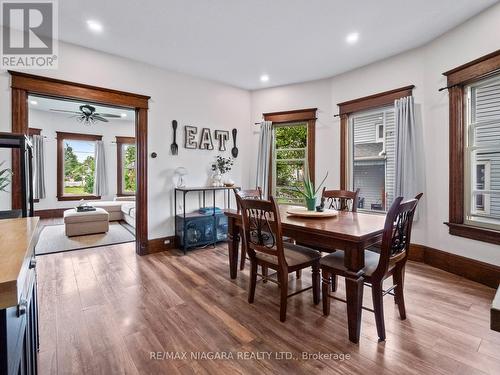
{"points": [[263, 239], [340, 200], [389, 261], [246, 194]]}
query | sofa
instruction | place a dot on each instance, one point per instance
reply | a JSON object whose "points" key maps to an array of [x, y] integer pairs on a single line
{"points": [[121, 208]]}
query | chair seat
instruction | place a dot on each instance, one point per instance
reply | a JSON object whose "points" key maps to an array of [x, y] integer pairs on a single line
{"points": [[335, 262], [294, 255]]}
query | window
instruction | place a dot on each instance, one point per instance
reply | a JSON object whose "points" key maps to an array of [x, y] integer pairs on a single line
{"points": [[126, 156], [482, 166], [289, 161], [474, 100], [75, 166], [292, 151], [372, 158]]}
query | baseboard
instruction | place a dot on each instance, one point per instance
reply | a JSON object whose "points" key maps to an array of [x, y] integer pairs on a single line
{"points": [[50, 214], [475, 270], [158, 245]]}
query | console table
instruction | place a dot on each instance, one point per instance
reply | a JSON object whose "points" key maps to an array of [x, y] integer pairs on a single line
{"points": [[195, 229]]}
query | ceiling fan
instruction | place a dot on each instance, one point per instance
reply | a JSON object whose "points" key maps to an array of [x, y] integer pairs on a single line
{"points": [[88, 115]]}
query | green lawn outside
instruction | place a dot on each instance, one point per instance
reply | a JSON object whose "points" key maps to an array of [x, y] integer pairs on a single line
{"points": [[74, 190]]}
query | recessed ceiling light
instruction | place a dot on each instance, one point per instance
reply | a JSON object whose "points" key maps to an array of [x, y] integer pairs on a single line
{"points": [[33, 102], [264, 78], [352, 38], [94, 26], [123, 115]]}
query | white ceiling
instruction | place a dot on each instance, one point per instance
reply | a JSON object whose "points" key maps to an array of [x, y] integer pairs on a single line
{"points": [[47, 104], [236, 41]]}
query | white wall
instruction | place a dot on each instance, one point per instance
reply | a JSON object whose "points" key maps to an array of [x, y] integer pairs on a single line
{"points": [[422, 67], [51, 122], [189, 100]]}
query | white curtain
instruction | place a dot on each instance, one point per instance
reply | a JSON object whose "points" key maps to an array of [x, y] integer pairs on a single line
{"points": [[406, 179], [100, 180], [38, 167], [264, 157]]}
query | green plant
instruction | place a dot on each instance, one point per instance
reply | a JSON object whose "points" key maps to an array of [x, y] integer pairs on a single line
{"points": [[5, 175], [222, 164], [308, 190]]}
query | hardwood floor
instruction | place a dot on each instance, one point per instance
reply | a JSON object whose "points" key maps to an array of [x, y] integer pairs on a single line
{"points": [[104, 310]]}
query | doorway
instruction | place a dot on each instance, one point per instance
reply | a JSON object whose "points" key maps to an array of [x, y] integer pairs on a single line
{"points": [[25, 85]]}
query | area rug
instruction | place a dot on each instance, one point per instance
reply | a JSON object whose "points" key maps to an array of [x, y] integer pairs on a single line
{"points": [[53, 240]]}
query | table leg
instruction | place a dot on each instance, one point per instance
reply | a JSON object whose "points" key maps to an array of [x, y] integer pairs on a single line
{"points": [[354, 297], [354, 262], [233, 247]]}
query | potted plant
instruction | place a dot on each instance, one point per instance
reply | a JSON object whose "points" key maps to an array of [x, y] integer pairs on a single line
{"points": [[221, 166], [4, 177], [309, 192]]}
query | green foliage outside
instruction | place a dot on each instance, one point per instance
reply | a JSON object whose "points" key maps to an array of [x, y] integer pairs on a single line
{"points": [[290, 146], [129, 174], [76, 171]]}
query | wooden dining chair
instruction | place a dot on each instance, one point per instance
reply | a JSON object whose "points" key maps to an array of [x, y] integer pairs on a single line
{"points": [[246, 194], [379, 266], [340, 200], [262, 236]]}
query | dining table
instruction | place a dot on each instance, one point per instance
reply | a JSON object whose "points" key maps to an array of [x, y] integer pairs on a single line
{"points": [[351, 232]]}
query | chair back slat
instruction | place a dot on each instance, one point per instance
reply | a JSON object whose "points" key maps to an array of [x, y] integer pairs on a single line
{"points": [[397, 233], [262, 227], [341, 200]]}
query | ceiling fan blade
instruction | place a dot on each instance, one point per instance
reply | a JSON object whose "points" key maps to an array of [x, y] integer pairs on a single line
{"points": [[97, 117], [62, 110], [107, 115]]}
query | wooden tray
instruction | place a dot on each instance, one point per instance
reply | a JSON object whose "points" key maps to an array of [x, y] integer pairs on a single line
{"points": [[304, 212]]}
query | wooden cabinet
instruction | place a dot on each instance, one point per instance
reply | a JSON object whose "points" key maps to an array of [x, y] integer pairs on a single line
{"points": [[18, 297]]}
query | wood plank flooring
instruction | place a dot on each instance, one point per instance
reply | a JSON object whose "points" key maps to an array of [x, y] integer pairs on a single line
{"points": [[105, 310]]}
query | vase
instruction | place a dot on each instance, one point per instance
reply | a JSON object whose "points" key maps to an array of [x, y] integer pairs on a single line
{"points": [[311, 204], [217, 179]]}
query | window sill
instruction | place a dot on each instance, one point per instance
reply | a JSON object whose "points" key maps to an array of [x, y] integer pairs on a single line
{"points": [[78, 197], [125, 194], [474, 233]]}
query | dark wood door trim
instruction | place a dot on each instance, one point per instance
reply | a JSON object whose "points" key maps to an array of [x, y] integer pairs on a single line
{"points": [[457, 79], [24, 84], [362, 104]]}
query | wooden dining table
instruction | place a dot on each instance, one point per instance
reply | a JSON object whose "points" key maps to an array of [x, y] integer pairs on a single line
{"points": [[348, 231]]}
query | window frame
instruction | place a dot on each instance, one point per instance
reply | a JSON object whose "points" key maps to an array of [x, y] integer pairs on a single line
{"points": [[31, 133], [348, 108], [120, 141], [61, 137], [457, 80], [298, 116], [350, 152]]}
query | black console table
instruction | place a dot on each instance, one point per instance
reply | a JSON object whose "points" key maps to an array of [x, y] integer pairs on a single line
{"points": [[195, 229]]}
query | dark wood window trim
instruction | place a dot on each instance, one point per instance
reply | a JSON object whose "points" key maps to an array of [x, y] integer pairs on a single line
{"points": [[307, 115], [61, 136], [457, 79], [119, 172], [23, 84], [362, 104]]}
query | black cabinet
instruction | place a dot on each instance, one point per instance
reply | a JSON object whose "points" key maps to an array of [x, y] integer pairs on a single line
{"points": [[19, 332]]}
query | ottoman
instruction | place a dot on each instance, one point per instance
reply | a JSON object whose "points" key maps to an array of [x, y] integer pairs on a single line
{"points": [[81, 223]]}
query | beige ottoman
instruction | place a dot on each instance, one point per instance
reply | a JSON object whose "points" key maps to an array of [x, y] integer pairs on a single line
{"points": [[90, 222]]}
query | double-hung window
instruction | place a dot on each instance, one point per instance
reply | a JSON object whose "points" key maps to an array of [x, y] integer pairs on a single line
{"points": [[289, 161], [372, 157], [482, 149], [126, 160]]}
